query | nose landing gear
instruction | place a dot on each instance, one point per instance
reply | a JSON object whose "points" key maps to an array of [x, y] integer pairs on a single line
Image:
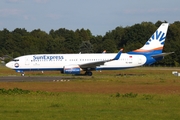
{"points": [[22, 74]]}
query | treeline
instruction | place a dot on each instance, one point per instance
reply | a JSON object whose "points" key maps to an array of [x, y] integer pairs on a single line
{"points": [[21, 42]]}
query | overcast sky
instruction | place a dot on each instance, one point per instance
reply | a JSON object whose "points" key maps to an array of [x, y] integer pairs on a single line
{"points": [[99, 16]]}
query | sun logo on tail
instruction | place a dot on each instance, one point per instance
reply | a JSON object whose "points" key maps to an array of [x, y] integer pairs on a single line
{"points": [[158, 38], [156, 41]]}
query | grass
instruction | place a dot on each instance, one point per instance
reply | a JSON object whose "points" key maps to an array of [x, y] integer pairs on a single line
{"points": [[70, 106], [138, 94]]}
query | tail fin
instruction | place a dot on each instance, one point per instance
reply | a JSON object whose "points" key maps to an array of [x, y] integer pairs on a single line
{"points": [[156, 42], [104, 51]]}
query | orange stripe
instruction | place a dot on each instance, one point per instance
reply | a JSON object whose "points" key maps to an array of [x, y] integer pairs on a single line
{"points": [[141, 50]]}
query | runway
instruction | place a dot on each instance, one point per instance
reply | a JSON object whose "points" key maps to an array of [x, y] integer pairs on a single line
{"points": [[34, 78]]}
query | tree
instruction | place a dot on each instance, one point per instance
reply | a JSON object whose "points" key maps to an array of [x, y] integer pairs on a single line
{"points": [[86, 47], [84, 35], [97, 44], [109, 45]]}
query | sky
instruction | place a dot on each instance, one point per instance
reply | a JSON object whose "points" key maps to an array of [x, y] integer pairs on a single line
{"points": [[99, 16]]}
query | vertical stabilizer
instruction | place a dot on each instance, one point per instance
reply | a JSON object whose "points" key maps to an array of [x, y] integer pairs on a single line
{"points": [[155, 42]]}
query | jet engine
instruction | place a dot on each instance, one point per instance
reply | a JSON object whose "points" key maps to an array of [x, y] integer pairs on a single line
{"points": [[71, 69]]}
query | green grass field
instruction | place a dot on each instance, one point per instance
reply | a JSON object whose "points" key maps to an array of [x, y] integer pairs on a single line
{"points": [[138, 94], [76, 106]]}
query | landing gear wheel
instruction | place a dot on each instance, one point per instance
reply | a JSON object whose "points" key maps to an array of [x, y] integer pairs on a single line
{"points": [[89, 73], [22, 74]]}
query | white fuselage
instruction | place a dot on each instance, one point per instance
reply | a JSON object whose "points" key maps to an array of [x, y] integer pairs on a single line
{"points": [[58, 61]]}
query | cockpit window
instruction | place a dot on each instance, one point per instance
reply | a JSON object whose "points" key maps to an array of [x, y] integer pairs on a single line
{"points": [[15, 60]]}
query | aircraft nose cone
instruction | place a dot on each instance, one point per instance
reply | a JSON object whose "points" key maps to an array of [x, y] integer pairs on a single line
{"points": [[9, 65]]}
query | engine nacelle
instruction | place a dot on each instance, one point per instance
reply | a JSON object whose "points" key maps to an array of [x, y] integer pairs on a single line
{"points": [[72, 69]]}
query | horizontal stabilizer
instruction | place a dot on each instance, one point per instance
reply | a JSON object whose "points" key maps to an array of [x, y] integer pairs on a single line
{"points": [[161, 55]]}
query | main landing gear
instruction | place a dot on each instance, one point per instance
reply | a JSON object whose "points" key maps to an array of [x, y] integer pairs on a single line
{"points": [[89, 73]]}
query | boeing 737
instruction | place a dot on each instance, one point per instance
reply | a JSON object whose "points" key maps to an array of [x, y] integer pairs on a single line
{"points": [[75, 63]]}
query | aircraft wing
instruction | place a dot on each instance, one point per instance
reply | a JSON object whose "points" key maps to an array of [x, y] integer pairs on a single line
{"points": [[98, 63], [161, 55]]}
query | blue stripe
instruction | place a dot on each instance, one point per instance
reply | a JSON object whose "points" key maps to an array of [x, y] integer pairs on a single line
{"points": [[38, 69], [150, 60], [61, 69], [153, 52]]}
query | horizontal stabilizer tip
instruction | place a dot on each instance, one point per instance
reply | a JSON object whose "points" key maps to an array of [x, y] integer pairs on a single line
{"points": [[162, 54]]}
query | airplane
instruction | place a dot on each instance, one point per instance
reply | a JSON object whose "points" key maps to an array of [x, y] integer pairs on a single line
{"points": [[75, 63]]}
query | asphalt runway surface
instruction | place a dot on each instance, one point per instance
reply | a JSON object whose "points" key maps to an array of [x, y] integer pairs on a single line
{"points": [[34, 78], [48, 78]]}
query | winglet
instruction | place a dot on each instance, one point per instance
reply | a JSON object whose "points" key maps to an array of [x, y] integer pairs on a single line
{"points": [[118, 54]]}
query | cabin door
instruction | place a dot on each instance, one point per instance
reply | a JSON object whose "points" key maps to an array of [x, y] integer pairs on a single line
{"points": [[27, 61], [139, 60]]}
